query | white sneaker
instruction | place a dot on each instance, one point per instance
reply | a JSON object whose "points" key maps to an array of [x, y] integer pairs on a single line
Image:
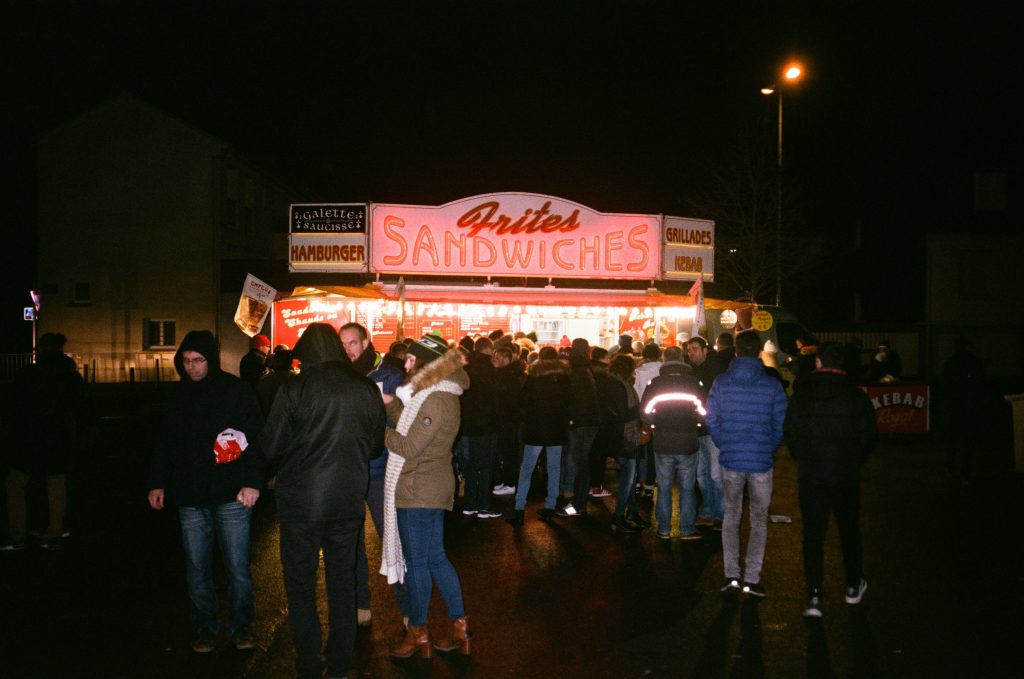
{"points": [[504, 490], [855, 594], [600, 491]]}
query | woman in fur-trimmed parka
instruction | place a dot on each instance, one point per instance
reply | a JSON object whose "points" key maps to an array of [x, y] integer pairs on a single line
{"points": [[420, 475]]}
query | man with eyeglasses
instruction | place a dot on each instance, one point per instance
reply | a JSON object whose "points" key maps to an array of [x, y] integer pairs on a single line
{"points": [[199, 464]]}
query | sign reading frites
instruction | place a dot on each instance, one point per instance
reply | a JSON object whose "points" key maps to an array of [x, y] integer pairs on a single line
{"points": [[513, 234], [328, 237], [689, 249]]}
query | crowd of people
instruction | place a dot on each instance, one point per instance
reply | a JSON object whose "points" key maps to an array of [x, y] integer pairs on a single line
{"points": [[400, 432], [334, 427]]}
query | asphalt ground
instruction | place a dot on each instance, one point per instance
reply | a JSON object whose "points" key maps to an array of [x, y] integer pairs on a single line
{"points": [[568, 598]]}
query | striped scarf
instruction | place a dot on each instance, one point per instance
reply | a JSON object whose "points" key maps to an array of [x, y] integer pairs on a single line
{"points": [[392, 562]]}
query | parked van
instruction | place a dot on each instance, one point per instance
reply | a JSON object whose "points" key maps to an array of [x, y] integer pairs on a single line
{"points": [[774, 323]]}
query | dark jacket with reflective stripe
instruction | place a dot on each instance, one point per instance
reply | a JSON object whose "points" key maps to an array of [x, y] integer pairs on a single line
{"points": [[672, 405]]}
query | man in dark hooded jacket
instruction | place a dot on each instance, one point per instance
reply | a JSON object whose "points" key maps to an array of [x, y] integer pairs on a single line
{"points": [[209, 409], [322, 430], [830, 430]]}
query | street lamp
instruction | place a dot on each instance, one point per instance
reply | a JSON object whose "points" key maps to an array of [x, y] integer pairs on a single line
{"points": [[792, 73]]}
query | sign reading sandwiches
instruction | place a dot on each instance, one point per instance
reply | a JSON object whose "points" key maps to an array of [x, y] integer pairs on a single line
{"points": [[514, 234]]}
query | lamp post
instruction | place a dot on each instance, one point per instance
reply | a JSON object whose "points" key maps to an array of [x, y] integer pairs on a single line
{"points": [[792, 73]]}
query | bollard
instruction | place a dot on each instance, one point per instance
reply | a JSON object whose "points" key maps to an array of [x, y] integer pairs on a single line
{"points": [[1017, 404]]}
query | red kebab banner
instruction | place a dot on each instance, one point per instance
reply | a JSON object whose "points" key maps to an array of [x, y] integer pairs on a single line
{"points": [[514, 234], [900, 408]]}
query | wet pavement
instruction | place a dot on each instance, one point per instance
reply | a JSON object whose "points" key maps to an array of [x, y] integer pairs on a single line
{"points": [[568, 598]]}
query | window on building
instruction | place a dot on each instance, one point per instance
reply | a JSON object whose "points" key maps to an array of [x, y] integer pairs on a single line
{"points": [[79, 294], [158, 333]]}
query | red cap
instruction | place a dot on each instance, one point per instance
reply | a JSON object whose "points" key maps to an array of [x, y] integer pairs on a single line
{"points": [[259, 341]]}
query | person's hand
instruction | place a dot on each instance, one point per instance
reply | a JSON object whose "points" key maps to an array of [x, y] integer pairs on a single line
{"points": [[248, 496], [156, 498]]}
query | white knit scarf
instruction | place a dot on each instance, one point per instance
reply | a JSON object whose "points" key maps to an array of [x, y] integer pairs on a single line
{"points": [[392, 562]]}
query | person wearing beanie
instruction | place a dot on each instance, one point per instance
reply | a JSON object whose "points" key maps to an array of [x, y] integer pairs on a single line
{"points": [[420, 489], [625, 344], [254, 364], [200, 463], [325, 425]]}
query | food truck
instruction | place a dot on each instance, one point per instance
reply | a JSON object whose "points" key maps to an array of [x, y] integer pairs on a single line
{"points": [[532, 239]]}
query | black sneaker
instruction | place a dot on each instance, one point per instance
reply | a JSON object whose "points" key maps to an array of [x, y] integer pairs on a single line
{"points": [[204, 641], [567, 510], [731, 586], [754, 589], [623, 526], [855, 594], [813, 609], [515, 518], [13, 546], [545, 514], [244, 639], [638, 520], [487, 514]]}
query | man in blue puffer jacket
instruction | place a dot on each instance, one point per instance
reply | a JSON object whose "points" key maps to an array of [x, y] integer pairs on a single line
{"points": [[746, 410]]}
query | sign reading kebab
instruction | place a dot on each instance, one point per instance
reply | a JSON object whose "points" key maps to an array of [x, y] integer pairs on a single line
{"points": [[498, 234]]}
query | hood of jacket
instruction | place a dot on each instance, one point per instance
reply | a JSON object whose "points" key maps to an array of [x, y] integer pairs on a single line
{"points": [[746, 369], [675, 368], [448, 367], [202, 342], [549, 366], [319, 344]]}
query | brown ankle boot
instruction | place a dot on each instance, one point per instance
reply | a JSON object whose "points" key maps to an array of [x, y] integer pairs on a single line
{"points": [[417, 639], [456, 638]]}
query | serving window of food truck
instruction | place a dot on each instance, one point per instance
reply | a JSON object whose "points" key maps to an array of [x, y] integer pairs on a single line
{"points": [[455, 311]]}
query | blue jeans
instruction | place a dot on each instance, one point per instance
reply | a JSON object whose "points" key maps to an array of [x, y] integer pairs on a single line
{"points": [[684, 469], [422, 534], [626, 500], [530, 455], [709, 480], [230, 523], [759, 489]]}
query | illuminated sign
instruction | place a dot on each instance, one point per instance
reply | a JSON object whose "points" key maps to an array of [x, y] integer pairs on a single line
{"points": [[514, 234], [327, 237], [689, 249]]}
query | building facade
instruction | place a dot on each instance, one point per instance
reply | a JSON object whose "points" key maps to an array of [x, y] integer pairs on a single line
{"points": [[141, 220]]}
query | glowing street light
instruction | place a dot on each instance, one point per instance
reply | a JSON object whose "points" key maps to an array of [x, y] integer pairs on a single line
{"points": [[791, 74]]}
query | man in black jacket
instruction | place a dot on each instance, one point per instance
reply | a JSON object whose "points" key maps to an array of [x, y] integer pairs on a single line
{"points": [[200, 462], [673, 407], [830, 430], [481, 422], [322, 430]]}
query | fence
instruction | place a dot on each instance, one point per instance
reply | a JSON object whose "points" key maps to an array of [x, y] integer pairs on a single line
{"points": [[141, 367]]}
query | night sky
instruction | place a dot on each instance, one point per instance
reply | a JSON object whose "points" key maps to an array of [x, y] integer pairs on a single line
{"points": [[623, 107]]}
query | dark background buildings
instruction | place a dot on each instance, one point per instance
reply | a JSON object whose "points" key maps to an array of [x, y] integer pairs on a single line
{"points": [[904, 125]]}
